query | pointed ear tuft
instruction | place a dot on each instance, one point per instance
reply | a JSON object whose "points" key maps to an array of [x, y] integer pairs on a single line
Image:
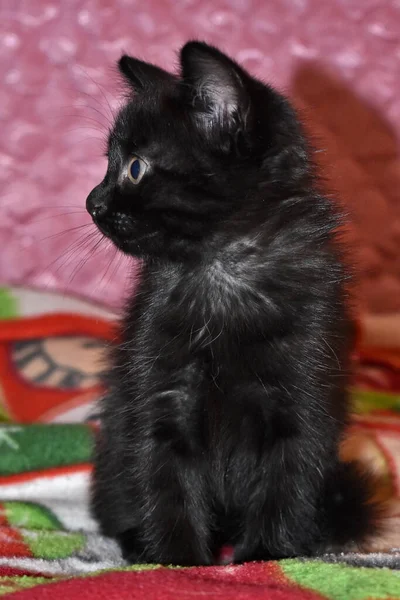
{"points": [[141, 75], [217, 83]]}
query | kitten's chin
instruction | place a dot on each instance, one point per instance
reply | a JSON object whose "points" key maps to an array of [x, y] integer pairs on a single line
{"points": [[128, 247], [132, 245], [138, 247]]}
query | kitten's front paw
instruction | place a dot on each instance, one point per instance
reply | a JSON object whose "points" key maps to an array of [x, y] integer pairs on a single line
{"points": [[134, 552], [246, 552]]}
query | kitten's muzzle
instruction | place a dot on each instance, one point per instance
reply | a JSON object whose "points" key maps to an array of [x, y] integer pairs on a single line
{"points": [[114, 224], [96, 204]]}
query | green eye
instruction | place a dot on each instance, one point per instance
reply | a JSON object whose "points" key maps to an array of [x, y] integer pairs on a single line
{"points": [[136, 169]]}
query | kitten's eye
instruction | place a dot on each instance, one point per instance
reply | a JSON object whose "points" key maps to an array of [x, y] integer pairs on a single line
{"points": [[136, 169]]}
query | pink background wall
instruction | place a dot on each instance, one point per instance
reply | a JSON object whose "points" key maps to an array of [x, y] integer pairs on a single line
{"points": [[339, 58]]}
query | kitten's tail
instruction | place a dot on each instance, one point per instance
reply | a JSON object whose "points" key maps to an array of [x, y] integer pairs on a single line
{"points": [[354, 515]]}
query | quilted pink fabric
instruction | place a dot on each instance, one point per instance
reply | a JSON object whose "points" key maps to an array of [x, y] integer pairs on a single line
{"points": [[338, 58]]}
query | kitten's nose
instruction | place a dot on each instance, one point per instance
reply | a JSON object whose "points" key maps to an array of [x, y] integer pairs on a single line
{"points": [[96, 203]]}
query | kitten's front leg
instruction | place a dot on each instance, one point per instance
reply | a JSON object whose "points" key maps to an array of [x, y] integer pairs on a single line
{"points": [[280, 491], [281, 519], [164, 472]]}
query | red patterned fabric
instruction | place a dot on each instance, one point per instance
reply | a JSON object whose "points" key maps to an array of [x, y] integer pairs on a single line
{"points": [[247, 582]]}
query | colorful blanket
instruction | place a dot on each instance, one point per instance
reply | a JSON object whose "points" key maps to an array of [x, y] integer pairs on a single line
{"points": [[50, 359]]}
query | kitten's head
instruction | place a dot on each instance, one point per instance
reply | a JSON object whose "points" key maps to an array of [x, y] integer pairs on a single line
{"points": [[188, 153]]}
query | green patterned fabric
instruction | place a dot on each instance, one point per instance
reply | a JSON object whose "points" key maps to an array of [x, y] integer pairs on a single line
{"points": [[8, 304], [31, 447]]}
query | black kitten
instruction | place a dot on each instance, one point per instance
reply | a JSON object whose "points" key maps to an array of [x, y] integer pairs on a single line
{"points": [[227, 395]]}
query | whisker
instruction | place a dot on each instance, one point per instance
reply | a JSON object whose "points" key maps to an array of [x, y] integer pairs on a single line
{"points": [[72, 247], [96, 100], [108, 267], [85, 106], [87, 118], [57, 216], [85, 128], [84, 246], [91, 252], [108, 122], [66, 255], [100, 90], [65, 231], [60, 206]]}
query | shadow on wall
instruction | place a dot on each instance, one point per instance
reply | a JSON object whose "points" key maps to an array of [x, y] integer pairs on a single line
{"points": [[359, 157]]}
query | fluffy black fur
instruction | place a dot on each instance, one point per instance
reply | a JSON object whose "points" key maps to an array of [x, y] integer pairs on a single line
{"points": [[227, 394]]}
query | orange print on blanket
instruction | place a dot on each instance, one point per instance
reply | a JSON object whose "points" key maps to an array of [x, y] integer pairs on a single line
{"points": [[50, 362]]}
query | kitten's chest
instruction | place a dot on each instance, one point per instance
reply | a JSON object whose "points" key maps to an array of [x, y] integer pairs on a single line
{"points": [[217, 296], [207, 307]]}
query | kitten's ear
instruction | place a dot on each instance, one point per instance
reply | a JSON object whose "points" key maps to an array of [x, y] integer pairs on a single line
{"points": [[217, 84], [139, 74]]}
